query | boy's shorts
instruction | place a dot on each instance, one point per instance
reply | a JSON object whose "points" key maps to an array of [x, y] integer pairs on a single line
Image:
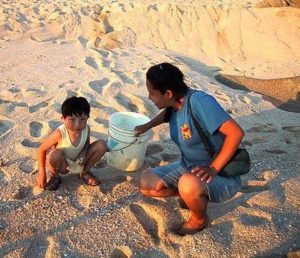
{"points": [[219, 189]]}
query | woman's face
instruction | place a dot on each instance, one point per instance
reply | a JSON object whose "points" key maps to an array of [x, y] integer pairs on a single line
{"points": [[160, 100]]}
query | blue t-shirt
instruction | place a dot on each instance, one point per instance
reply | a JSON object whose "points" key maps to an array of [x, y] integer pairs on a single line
{"points": [[183, 132]]}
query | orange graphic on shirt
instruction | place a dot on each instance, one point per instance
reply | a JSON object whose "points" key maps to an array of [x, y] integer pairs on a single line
{"points": [[185, 132]]}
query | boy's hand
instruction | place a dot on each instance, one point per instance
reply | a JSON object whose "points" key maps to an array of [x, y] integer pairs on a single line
{"points": [[41, 180]]}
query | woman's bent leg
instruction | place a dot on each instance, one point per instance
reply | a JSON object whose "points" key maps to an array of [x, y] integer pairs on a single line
{"points": [[152, 185], [194, 193]]}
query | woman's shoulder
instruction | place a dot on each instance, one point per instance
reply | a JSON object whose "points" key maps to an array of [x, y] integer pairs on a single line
{"points": [[200, 96]]}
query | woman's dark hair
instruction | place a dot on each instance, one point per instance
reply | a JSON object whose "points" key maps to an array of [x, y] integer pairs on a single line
{"points": [[75, 106], [165, 77]]}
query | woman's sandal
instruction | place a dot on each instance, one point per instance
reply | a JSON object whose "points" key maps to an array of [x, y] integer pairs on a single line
{"points": [[89, 179]]}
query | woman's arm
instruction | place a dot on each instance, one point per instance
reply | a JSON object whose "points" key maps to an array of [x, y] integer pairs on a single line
{"points": [[157, 120], [233, 136]]}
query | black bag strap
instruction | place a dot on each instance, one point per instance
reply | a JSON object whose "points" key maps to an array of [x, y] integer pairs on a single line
{"points": [[199, 129]]}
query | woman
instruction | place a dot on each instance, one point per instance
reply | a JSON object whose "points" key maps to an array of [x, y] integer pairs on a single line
{"points": [[195, 177]]}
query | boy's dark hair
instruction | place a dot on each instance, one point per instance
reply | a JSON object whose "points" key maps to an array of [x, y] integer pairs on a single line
{"points": [[75, 106], [165, 77]]}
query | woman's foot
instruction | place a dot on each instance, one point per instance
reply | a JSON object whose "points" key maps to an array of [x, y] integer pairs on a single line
{"points": [[89, 179], [192, 226]]}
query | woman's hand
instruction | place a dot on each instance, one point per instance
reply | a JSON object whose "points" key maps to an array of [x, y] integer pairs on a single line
{"points": [[204, 173], [140, 129]]}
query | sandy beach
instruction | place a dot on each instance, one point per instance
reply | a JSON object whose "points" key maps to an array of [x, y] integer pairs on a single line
{"points": [[245, 53]]}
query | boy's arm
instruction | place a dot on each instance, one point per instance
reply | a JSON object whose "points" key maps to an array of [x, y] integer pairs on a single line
{"points": [[52, 140]]}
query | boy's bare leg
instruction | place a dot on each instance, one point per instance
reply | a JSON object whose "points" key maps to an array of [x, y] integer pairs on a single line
{"points": [[57, 162], [152, 185], [95, 152]]}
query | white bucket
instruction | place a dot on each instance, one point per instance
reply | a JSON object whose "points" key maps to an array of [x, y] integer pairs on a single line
{"points": [[126, 152]]}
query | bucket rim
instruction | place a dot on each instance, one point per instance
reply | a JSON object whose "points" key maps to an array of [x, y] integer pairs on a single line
{"points": [[113, 125]]}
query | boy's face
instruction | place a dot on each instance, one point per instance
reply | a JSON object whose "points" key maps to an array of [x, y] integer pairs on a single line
{"points": [[75, 123]]}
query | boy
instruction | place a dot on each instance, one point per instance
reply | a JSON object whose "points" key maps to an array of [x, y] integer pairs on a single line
{"points": [[69, 146]]}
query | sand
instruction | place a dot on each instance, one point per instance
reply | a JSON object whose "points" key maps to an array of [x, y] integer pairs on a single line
{"points": [[50, 50]]}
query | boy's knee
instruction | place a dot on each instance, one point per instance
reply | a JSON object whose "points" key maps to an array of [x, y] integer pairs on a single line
{"points": [[101, 146], [55, 155]]}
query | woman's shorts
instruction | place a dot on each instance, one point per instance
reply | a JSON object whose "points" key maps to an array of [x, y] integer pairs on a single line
{"points": [[219, 189]]}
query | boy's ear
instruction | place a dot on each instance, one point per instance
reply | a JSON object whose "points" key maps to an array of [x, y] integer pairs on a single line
{"points": [[169, 94]]}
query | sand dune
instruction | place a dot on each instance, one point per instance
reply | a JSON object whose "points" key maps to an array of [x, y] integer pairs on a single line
{"points": [[53, 50]]}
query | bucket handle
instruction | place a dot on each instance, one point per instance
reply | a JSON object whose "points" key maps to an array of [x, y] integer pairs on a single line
{"points": [[125, 146]]}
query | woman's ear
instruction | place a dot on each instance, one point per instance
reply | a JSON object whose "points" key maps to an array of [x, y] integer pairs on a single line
{"points": [[169, 94]]}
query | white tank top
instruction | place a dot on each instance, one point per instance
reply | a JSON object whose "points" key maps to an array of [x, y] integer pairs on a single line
{"points": [[70, 151]]}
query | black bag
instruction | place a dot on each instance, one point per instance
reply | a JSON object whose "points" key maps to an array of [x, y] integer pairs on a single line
{"points": [[239, 164]]}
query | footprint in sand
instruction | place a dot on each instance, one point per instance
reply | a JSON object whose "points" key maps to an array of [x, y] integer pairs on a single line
{"points": [[292, 129], [254, 186], [53, 124], [101, 122], [27, 147], [63, 85], [148, 223], [5, 125], [275, 151], [126, 102], [39, 129], [3, 225], [262, 129], [21, 193], [35, 129], [91, 61], [14, 90], [37, 107], [124, 78], [27, 166], [98, 86], [223, 97], [253, 220]]}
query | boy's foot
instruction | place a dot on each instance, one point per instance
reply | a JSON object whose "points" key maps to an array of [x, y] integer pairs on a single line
{"points": [[189, 228], [89, 179], [53, 183]]}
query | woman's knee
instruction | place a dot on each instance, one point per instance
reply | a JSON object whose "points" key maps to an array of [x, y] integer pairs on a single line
{"points": [[189, 185], [148, 181]]}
